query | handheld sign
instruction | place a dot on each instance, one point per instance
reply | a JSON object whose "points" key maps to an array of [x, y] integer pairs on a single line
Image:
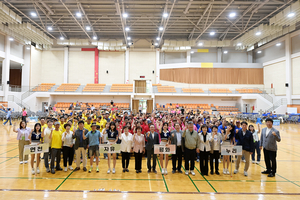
{"points": [[162, 149], [107, 148], [230, 150], [34, 148]]}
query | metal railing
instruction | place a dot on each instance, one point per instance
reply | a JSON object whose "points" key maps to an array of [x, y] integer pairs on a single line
{"points": [[18, 102], [278, 103]]}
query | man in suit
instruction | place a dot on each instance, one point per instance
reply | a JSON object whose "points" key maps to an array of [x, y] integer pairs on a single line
{"points": [[152, 138], [176, 138], [269, 137], [245, 139]]}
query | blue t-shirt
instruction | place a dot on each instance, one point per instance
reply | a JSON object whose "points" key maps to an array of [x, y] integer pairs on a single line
{"points": [[111, 134], [8, 114], [165, 136], [93, 138], [221, 128]]}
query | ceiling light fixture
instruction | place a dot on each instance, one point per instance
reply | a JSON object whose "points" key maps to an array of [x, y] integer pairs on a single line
{"points": [[258, 33], [278, 44], [233, 14], [95, 37], [88, 28], [128, 38], [11, 39], [212, 33], [28, 48], [33, 14], [291, 14], [50, 28], [158, 38], [161, 28], [127, 29], [225, 52], [155, 43], [239, 44], [78, 14], [125, 15], [61, 38], [192, 52], [200, 44], [165, 15], [259, 52]]}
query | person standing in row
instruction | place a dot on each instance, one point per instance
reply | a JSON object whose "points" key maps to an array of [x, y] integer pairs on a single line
{"points": [[215, 150], [191, 143], [176, 139], [204, 147], [165, 138], [47, 140], [94, 138], [112, 137], [126, 147], [56, 146], [138, 148], [245, 139], [268, 141], [152, 139], [24, 114], [228, 140], [256, 143], [80, 145], [68, 147], [35, 138], [23, 137]]}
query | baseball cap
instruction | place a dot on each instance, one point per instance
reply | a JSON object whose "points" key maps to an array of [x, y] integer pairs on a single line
{"points": [[56, 123]]}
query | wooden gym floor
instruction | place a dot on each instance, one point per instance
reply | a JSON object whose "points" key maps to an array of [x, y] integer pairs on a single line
{"points": [[16, 180]]}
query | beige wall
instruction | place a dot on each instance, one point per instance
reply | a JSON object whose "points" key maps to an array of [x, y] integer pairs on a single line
{"points": [[142, 64], [52, 67], [81, 67], [35, 67], [275, 73], [114, 63], [295, 75]]}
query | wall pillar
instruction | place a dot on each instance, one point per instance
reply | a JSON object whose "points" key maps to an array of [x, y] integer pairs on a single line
{"points": [[288, 69], [250, 56], [188, 56], [219, 54], [26, 67], [157, 66], [66, 64], [6, 68], [126, 66]]}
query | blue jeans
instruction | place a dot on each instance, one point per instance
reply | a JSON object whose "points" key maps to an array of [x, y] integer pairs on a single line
{"points": [[256, 147], [7, 121]]}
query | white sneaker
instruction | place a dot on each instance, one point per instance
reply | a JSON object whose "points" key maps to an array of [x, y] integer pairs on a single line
{"points": [[114, 171], [32, 171], [193, 173], [219, 160], [25, 161], [198, 160], [166, 172], [108, 171], [257, 162], [244, 161], [235, 171], [71, 168], [94, 159], [21, 162], [245, 174], [186, 172], [227, 172], [253, 162], [163, 171], [37, 170], [224, 171], [65, 169]]}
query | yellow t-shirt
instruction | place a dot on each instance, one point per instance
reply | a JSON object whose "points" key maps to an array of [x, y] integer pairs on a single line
{"points": [[103, 124], [88, 126], [44, 126], [62, 127], [56, 142]]}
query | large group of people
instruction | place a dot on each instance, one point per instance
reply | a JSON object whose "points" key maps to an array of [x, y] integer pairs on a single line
{"points": [[197, 136]]}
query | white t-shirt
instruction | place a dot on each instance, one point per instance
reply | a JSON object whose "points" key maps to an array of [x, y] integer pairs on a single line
{"points": [[47, 132], [268, 131], [104, 133]]}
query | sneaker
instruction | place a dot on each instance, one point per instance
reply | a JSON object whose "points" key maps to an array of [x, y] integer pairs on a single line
{"points": [[77, 168], [25, 162], [155, 171], [90, 170], [21, 162], [163, 171], [227, 172], [137, 171], [149, 170], [166, 172], [198, 160], [245, 174], [84, 169], [97, 169], [193, 173], [235, 171], [47, 170], [257, 162], [52, 171], [224, 171], [59, 169], [114, 171], [94, 159], [179, 171], [127, 170], [244, 160], [211, 172], [186, 172], [217, 173], [38, 170], [108, 171], [173, 171], [253, 162], [32, 171], [123, 170], [219, 161], [65, 169], [140, 171], [70, 168]]}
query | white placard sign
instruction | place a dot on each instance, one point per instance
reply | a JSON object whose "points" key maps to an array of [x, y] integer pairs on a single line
{"points": [[36, 148], [231, 150]]}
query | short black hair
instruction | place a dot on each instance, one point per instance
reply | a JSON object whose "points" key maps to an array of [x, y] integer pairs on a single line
{"points": [[269, 120], [214, 127], [204, 126], [244, 122], [81, 122], [139, 127], [65, 126]]}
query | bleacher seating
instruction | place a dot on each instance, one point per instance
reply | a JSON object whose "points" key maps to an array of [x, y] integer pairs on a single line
{"points": [[220, 91], [121, 88], [192, 90], [94, 88], [227, 108], [166, 89], [189, 106], [156, 84], [43, 87], [249, 91], [68, 87], [65, 105]]}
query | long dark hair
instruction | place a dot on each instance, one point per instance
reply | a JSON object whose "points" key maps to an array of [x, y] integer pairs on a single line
{"points": [[21, 124], [162, 127], [250, 129], [112, 123], [37, 124]]}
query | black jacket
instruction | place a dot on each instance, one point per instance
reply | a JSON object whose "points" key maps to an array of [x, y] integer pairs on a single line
{"points": [[246, 141]]}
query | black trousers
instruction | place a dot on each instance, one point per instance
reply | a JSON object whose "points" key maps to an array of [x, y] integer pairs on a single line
{"points": [[125, 159], [24, 118], [204, 162], [215, 155], [190, 155], [68, 154], [270, 160], [55, 153], [138, 160], [149, 153], [176, 156]]}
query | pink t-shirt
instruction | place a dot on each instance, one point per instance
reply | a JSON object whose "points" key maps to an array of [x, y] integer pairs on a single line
{"points": [[24, 113]]}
